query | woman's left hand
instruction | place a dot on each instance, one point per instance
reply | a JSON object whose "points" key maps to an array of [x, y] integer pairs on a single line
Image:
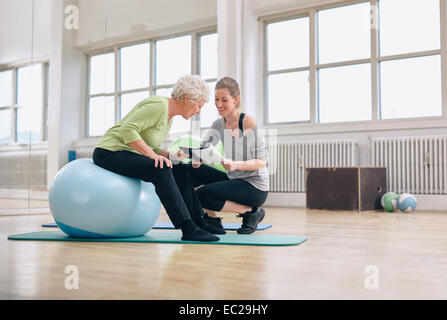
{"points": [[229, 165], [178, 156]]}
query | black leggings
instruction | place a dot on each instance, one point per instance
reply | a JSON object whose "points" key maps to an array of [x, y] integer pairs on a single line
{"points": [[172, 185], [218, 188]]}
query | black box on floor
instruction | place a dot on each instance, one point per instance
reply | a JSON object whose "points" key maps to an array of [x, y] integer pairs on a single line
{"points": [[345, 188]]}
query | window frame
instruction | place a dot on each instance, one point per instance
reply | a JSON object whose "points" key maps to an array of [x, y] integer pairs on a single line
{"points": [[374, 60], [13, 106], [195, 69], [197, 118]]}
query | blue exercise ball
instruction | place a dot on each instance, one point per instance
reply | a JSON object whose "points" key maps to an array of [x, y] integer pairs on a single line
{"points": [[87, 201]]}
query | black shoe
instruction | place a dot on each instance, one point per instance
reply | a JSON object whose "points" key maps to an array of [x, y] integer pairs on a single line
{"points": [[250, 221], [213, 229], [200, 235], [201, 223], [216, 222]]}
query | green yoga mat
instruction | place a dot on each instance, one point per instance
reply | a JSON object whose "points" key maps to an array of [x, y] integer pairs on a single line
{"points": [[172, 237]]}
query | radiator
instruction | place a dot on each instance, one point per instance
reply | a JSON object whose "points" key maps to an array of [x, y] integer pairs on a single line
{"points": [[288, 160], [414, 164]]}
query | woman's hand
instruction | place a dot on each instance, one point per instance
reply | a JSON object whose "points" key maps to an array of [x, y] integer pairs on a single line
{"points": [[178, 156], [160, 160], [147, 151], [229, 165], [196, 164]]}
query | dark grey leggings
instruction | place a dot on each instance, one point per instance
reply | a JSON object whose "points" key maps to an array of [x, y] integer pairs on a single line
{"points": [[218, 188]]}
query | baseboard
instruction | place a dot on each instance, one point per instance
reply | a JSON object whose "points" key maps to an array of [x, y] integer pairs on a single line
{"points": [[23, 194], [23, 211], [280, 199], [425, 201], [274, 199]]}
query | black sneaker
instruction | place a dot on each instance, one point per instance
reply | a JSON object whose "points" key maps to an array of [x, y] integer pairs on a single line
{"points": [[202, 223], [200, 235], [217, 222], [250, 221]]}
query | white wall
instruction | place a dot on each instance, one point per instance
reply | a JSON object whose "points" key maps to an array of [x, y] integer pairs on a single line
{"points": [[16, 32]]}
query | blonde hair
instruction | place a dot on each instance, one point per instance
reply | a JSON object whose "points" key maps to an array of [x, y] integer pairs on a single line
{"points": [[192, 86], [232, 86]]}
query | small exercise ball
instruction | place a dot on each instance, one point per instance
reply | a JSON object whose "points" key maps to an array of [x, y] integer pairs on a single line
{"points": [[407, 203], [195, 142], [389, 201], [87, 201]]}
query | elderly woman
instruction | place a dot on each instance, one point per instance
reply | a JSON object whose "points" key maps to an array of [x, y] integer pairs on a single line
{"points": [[244, 188], [132, 148]]}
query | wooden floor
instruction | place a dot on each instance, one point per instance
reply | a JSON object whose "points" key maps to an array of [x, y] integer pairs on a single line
{"points": [[408, 250]]}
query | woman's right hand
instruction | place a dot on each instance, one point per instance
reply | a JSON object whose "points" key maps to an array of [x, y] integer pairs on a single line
{"points": [[196, 164], [160, 160]]}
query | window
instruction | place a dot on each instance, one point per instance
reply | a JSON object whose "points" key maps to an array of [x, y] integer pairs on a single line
{"points": [[323, 65], [134, 76], [288, 71], [134, 67], [344, 37], [5, 105], [101, 114], [344, 33], [5, 125], [411, 87], [345, 93], [5, 88], [172, 60], [141, 74], [102, 74], [409, 26], [208, 72], [101, 95], [30, 103], [287, 103], [23, 103], [410, 59]]}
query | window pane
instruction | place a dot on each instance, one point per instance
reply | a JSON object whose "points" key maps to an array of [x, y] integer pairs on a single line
{"points": [[130, 100], [101, 115], [5, 125], [102, 73], [5, 88], [29, 99], [173, 59], [344, 33], [135, 66], [288, 97], [345, 93], [209, 112], [208, 56], [288, 44], [179, 124], [409, 26], [411, 87]]}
